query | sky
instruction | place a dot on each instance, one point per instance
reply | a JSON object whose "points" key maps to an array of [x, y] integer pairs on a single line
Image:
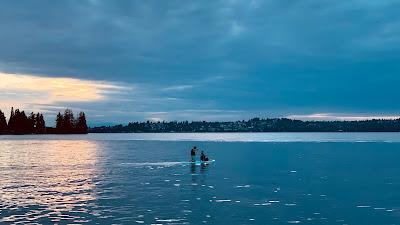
{"points": [[128, 60]]}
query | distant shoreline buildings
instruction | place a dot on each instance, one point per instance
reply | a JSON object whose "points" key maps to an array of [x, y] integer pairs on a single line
{"points": [[254, 125], [19, 123]]}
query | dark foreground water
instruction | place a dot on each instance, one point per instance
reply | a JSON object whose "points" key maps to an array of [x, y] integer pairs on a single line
{"points": [[106, 179]]}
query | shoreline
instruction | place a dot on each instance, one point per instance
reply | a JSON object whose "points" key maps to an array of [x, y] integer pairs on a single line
{"points": [[207, 132], [228, 132]]}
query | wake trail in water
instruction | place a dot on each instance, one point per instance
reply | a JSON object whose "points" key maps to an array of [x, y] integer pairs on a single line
{"points": [[163, 164]]}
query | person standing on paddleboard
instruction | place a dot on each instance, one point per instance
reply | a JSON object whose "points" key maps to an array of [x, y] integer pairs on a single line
{"points": [[193, 153]]}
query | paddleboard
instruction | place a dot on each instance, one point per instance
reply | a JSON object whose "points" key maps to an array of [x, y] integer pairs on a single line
{"points": [[202, 162]]}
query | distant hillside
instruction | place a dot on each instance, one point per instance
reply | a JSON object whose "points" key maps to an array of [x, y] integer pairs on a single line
{"points": [[254, 125]]}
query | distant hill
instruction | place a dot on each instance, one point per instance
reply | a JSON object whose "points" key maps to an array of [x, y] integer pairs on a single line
{"points": [[253, 125]]}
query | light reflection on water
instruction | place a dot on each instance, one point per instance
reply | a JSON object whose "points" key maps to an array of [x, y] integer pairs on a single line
{"points": [[102, 181], [54, 177]]}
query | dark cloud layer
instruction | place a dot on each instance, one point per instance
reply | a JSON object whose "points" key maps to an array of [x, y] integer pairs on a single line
{"points": [[276, 57]]}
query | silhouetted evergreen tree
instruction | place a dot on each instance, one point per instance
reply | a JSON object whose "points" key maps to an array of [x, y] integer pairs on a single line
{"points": [[40, 124], [11, 121], [19, 123], [59, 123], [68, 122], [31, 123], [80, 125], [3, 123]]}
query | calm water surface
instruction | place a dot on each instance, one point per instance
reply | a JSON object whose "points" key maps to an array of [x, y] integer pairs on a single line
{"points": [[256, 179]]}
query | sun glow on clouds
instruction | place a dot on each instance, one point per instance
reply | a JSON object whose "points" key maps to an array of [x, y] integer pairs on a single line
{"points": [[20, 89]]}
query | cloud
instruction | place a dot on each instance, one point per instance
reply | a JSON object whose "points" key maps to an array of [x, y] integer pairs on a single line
{"points": [[285, 57], [178, 87], [23, 89], [197, 115], [340, 117], [236, 28]]}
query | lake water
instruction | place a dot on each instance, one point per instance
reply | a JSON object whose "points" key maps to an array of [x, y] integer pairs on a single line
{"points": [[264, 178]]}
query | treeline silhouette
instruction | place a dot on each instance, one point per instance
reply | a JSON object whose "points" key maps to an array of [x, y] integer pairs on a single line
{"points": [[254, 125], [20, 123], [67, 124]]}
